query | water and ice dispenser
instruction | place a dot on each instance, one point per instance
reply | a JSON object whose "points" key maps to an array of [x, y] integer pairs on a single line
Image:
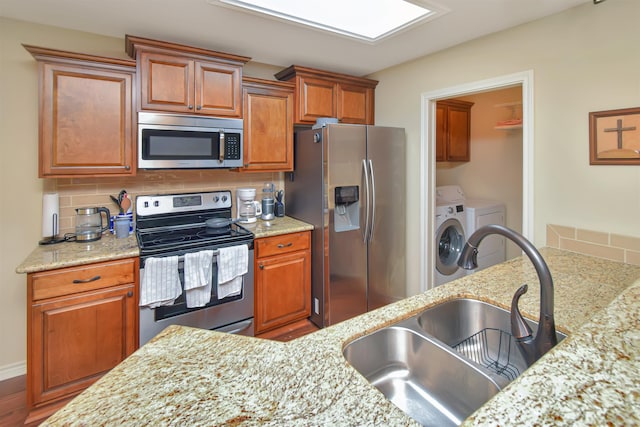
{"points": [[346, 214]]}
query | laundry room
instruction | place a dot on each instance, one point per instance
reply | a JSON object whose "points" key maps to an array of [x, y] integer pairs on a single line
{"points": [[489, 184]]}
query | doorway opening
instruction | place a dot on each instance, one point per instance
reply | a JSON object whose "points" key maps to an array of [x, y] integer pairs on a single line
{"points": [[428, 176]]}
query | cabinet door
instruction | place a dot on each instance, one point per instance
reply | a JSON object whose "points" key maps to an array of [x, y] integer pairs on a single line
{"points": [[355, 104], [283, 290], [217, 89], [74, 340], [268, 129], [86, 120], [459, 129], [166, 82], [316, 98]]}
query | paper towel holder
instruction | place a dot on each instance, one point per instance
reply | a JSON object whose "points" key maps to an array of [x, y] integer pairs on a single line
{"points": [[54, 238]]}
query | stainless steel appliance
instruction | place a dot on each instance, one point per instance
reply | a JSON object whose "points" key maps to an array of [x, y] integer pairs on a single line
{"points": [[172, 141], [349, 182], [89, 224], [176, 224]]}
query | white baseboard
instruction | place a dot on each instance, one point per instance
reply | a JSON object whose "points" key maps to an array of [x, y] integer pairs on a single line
{"points": [[13, 370]]}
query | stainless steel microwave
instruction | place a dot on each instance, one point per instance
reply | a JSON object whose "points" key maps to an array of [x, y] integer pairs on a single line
{"points": [[172, 141]]}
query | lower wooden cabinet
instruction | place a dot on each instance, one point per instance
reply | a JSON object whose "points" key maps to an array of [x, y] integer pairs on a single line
{"points": [[282, 280], [82, 321]]}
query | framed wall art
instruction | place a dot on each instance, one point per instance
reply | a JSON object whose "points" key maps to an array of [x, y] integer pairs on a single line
{"points": [[614, 137]]}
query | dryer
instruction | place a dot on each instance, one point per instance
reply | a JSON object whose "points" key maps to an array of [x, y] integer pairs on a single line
{"points": [[492, 249], [450, 233]]}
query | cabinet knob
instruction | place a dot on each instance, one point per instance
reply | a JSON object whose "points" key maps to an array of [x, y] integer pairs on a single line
{"points": [[190, 107], [127, 168], [130, 294], [261, 266], [199, 107]]}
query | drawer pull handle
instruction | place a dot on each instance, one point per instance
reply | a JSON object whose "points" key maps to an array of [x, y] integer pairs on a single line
{"points": [[280, 246], [93, 279]]}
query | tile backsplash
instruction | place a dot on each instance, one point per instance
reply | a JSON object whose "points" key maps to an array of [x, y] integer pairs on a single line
{"points": [[615, 247], [86, 192]]}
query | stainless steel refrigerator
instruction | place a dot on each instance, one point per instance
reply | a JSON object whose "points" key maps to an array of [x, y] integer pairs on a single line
{"points": [[349, 182]]}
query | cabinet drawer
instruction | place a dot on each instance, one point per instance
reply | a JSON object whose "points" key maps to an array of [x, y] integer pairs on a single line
{"points": [[71, 280], [282, 244]]}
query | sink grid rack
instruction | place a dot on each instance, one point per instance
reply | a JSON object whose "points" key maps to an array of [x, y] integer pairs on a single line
{"points": [[477, 348]]}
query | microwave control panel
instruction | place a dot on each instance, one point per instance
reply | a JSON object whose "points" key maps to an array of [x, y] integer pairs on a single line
{"points": [[232, 146]]}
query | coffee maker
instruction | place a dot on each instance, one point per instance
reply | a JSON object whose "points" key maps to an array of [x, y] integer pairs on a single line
{"points": [[248, 209]]}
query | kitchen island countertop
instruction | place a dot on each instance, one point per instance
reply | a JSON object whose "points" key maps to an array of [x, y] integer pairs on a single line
{"points": [[67, 254], [188, 376]]}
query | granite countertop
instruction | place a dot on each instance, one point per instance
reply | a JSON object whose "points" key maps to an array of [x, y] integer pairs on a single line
{"points": [[67, 254], [187, 376]]}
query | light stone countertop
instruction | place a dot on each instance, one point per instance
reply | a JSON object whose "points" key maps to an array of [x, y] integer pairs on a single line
{"points": [[194, 377], [67, 254]]}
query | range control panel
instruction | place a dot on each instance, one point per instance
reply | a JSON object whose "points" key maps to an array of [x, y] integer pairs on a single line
{"points": [[188, 202]]}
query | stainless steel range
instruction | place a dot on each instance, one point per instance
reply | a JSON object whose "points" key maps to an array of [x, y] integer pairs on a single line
{"points": [[169, 228]]}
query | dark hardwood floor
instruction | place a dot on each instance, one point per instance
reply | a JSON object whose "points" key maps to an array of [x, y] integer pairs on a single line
{"points": [[13, 395]]}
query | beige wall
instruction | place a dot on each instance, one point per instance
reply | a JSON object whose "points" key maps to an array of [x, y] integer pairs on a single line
{"points": [[21, 189], [583, 60], [495, 169]]}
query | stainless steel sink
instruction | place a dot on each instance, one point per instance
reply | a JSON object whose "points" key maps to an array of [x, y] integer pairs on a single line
{"points": [[444, 363], [480, 331], [428, 381]]}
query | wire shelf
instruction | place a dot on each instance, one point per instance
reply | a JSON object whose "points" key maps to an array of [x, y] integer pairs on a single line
{"points": [[491, 348]]}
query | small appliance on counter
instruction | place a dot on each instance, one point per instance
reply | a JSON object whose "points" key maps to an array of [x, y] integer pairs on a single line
{"points": [[268, 202], [248, 209], [89, 224]]}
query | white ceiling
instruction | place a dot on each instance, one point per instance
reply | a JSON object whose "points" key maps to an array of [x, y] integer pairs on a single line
{"points": [[271, 41]]}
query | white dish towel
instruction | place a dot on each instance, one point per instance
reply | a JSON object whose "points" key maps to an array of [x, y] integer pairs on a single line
{"points": [[197, 278], [160, 282], [233, 263]]}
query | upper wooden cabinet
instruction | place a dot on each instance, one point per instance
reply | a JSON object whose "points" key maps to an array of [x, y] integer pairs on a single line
{"points": [[268, 125], [453, 131], [86, 114], [185, 79], [325, 94]]}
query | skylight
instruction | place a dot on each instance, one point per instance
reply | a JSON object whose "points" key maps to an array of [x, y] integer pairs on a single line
{"points": [[369, 20]]}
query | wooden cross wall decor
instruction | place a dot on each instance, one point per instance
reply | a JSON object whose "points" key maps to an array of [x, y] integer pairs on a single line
{"points": [[614, 137]]}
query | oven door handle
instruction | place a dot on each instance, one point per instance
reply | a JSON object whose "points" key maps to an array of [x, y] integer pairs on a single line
{"points": [[235, 328]]}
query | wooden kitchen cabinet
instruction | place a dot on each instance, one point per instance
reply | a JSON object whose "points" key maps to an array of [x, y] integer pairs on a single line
{"points": [[82, 321], [268, 125], [282, 280], [325, 94], [185, 79], [453, 131], [86, 114]]}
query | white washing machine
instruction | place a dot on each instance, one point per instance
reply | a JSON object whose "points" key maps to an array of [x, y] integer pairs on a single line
{"points": [[450, 233], [492, 249]]}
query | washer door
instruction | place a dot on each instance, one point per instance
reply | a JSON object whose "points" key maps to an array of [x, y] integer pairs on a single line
{"points": [[450, 240]]}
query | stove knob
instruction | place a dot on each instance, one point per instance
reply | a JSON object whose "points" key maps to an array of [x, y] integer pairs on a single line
{"points": [[156, 203], [216, 199], [224, 198]]}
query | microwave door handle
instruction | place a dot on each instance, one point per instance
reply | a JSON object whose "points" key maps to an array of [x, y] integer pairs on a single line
{"points": [[221, 148]]}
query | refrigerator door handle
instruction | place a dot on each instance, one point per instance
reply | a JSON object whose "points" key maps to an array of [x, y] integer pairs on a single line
{"points": [[365, 231], [373, 201]]}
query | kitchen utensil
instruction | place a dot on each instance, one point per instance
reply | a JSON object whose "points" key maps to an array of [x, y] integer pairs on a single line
{"points": [[117, 202], [220, 222], [121, 226], [279, 206], [89, 224], [125, 204]]}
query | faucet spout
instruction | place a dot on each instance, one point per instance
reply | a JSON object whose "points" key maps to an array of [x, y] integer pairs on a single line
{"points": [[531, 348]]}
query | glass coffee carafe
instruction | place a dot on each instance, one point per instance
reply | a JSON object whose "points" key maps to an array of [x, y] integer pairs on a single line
{"points": [[249, 210]]}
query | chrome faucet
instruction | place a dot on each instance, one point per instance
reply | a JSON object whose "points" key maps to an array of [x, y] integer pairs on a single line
{"points": [[531, 348]]}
